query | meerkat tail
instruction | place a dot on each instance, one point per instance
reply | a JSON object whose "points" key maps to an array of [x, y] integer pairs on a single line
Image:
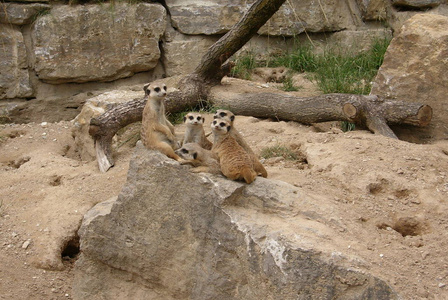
{"points": [[248, 174], [259, 168]]}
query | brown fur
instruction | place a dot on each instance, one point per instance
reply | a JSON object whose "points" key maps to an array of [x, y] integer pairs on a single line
{"points": [[230, 117], [235, 163], [201, 159], [157, 132], [194, 132]]}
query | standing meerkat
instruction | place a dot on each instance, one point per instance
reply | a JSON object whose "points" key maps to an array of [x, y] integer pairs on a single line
{"points": [[201, 159], [230, 117], [234, 161], [157, 132], [194, 132]]}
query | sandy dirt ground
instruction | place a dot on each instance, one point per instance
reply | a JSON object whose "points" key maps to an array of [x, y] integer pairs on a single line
{"points": [[389, 198]]}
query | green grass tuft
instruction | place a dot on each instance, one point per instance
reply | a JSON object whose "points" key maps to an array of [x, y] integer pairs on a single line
{"points": [[244, 64]]}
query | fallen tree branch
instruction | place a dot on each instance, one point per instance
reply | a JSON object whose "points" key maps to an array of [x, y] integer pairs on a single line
{"points": [[373, 112]]}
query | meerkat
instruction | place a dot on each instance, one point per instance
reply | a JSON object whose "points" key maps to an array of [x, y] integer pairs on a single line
{"points": [[157, 132], [235, 162], [230, 117], [201, 159], [195, 131]]}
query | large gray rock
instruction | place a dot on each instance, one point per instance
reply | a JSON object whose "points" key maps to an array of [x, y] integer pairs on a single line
{"points": [[97, 42], [176, 235], [14, 77], [20, 14], [414, 70], [293, 18]]}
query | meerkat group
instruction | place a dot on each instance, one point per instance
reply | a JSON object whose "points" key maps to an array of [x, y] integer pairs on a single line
{"points": [[229, 154]]}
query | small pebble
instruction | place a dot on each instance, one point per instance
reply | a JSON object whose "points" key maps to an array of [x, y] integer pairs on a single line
{"points": [[26, 244]]}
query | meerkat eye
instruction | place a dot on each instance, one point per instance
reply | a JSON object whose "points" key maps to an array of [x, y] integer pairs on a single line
{"points": [[222, 124], [223, 114], [190, 117], [214, 122], [164, 87], [199, 118], [157, 89], [184, 150]]}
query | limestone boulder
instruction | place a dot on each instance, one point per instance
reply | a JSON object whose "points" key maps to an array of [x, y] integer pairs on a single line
{"points": [[172, 234], [97, 42], [398, 16], [14, 76], [293, 18], [20, 14], [414, 70]]}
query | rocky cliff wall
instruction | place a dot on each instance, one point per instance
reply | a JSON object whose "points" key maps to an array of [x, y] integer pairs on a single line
{"points": [[60, 55]]}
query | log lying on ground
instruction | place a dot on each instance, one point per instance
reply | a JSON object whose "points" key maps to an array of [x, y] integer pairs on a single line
{"points": [[372, 111]]}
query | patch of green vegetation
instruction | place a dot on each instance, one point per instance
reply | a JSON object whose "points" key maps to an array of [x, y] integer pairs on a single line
{"points": [[347, 126], [334, 70], [300, 59], [244, 64], [340, 72], [277, 151], [288, 85]]}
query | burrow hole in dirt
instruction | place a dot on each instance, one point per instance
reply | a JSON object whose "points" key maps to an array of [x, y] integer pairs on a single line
{"points": [[55, 180], [19, 162], [406, 226], [70, 251]]}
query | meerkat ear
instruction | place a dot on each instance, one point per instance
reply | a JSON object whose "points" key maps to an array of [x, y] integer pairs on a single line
{"points": [[195, 155], [185, 118], [145, 88], [232, 118]]}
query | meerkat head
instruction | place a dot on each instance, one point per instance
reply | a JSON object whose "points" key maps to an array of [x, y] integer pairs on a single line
{"points": [[224, 115], [155, 90], [193, 119], [188, 151], [220, 126]]}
